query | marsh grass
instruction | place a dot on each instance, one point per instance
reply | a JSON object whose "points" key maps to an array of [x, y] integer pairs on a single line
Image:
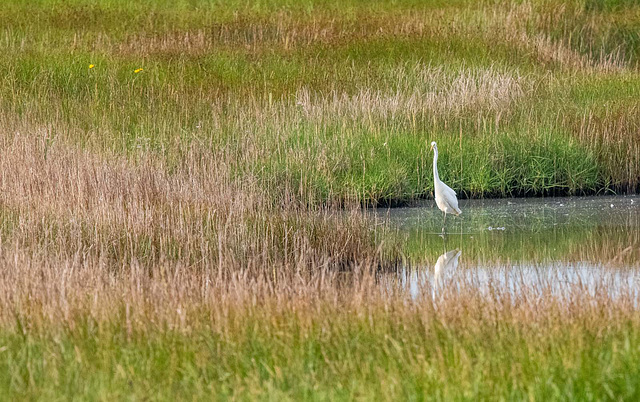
{"points": [[195, 228], [315, 97], [317, 335]]}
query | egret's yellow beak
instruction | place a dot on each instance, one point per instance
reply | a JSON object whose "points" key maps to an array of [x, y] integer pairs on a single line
{"points": [[431, 148]]}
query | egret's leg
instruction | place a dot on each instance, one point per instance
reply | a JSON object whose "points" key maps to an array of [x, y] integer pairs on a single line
{"points": [[444, 221]]}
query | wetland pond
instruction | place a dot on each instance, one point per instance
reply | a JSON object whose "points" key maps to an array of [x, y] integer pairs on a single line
{"points": [[550, 245]]}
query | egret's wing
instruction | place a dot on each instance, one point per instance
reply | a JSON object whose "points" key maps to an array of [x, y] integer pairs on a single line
{"points": [[450, 196], [448, 190]]}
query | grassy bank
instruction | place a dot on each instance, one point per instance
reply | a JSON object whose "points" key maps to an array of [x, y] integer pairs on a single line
{"points": [[337, 101], [170, 174]]}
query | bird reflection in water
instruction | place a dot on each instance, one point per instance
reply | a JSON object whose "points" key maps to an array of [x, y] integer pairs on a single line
{"points": [[418, 280], [444, 270]]}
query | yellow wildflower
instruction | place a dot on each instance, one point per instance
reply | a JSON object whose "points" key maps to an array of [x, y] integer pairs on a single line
{"points": [[91, 66], [137, 70]]}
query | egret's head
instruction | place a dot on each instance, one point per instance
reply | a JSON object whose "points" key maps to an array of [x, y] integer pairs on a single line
{"points": [[433, 146]]}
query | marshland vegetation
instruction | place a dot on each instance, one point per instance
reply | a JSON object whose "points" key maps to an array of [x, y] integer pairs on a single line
{"points": [[181, 183]]}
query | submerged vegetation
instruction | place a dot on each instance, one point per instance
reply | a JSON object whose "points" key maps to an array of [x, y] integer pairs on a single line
{"points": [[181, 183]]}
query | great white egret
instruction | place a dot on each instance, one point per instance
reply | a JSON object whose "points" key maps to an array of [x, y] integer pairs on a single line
{"points": [[445, 196]]}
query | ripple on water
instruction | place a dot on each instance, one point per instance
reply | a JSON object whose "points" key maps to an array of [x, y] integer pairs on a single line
{"points": [[546, 245]]}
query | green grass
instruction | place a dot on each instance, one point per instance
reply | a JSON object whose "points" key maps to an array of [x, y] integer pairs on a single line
{"points": [[332, 357], [178, 233], [213, 71]]}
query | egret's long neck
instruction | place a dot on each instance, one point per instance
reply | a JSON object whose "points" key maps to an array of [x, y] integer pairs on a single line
{"points": [[436, 177]]}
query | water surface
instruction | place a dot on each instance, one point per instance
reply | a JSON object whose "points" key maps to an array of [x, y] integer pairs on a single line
{"points": [[551, 244]]}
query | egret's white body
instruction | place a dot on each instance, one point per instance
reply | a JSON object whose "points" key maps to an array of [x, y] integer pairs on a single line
{"points": [[446, 199]]}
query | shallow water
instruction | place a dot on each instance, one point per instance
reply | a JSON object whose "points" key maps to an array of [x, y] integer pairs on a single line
{"points": [[548, 244]]}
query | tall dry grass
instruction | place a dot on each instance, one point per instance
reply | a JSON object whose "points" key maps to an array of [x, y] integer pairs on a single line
{"points": [[65, 202], [173, 331]]}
